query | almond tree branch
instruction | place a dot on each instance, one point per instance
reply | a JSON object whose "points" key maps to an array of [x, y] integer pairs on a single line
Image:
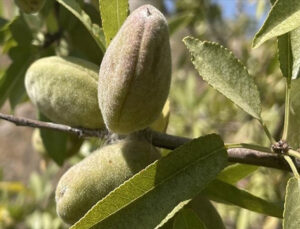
{"points": [[80, 132], [235, 155]]}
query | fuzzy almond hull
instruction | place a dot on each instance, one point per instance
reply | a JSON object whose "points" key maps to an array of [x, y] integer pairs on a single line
{"points": [[135, 73]]}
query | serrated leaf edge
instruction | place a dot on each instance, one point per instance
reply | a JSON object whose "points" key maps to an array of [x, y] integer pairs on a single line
{"points": [[75, 226], [257, 116]]}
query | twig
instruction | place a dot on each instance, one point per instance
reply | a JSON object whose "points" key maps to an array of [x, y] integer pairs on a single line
{"points": [[80, 132], [236, 155]]}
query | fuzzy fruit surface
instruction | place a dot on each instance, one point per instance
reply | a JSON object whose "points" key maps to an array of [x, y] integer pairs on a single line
{"points": [[135, 73], [30, 6], [87, 182], [64, 89]]}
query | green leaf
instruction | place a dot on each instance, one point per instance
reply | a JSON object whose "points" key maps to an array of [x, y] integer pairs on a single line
{"points": [[295, 43], [95, 31], [54, 142], [283, 18], [145, 200], [18, 92], [227, 193], [188, 219], [202, 207], [225, 73], [233, 173], [113, 14], [285, 55], [169, 218], [293, 137], [291, 215], [15, 73], [204, 210]]}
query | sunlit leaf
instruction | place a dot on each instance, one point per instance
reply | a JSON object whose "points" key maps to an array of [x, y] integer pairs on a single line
{"points": [[283, 17], [113, 14], [95, 31], [291, 215], [233, 173], [295, 45], [225, 73], [146, 199]]}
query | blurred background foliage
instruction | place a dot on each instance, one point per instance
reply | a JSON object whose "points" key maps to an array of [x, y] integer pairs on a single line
{"points": [[27, 194]]}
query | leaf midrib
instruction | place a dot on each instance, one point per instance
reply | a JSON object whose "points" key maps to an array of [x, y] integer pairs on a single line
{"points": [[153, 188]]}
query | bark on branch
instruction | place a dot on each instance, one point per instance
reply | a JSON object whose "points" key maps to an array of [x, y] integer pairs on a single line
{"points": [[237, 155]]}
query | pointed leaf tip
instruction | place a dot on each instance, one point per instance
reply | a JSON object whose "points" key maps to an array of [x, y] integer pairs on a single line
{"points": [[223, 71]]}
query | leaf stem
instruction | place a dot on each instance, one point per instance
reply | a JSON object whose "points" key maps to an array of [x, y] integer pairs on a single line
{"points": [[286, 110], [248, 146], [292, 165], [272, 140], [294, 153]]}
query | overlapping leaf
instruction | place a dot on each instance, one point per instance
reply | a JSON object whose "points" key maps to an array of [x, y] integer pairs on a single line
{"points": [[283, 18], [226, 193], [293, 137], [145, 200], [285, 55], [295, 46], [55, 143], [95, 31], [188, 219], [236, 172]]}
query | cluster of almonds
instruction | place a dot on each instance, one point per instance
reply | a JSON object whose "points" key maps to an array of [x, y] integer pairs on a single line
{"points": [[129, 94]]}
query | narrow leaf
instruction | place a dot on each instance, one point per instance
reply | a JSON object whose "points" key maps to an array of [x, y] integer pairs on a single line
{"points": [[166, 221], [295, 45], [146, 199], [113, 14], [293, 137], [188, 219], [283, 17], [55, 142], [233, 173], [95, 31], [202, 207], [285, 55], [291, 215], [227, 193], [14, 74], [225, 73]]}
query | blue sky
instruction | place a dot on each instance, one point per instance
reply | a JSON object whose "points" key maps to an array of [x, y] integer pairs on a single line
{"points": [[229, 8]]}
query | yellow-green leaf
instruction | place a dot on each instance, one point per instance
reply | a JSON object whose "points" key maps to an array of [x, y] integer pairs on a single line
{"points": [[95, 31], [225, 73], [146, 199], [291, 215], [113, 14], [283, 17]]}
